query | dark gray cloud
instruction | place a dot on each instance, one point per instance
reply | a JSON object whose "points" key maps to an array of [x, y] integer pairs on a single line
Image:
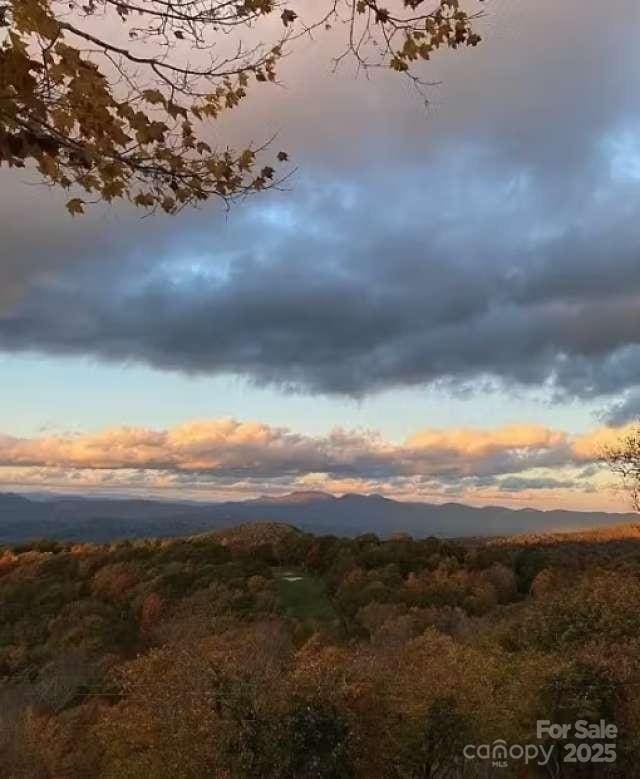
{"points": [[521, 484], [624, 410], [497, 238]]}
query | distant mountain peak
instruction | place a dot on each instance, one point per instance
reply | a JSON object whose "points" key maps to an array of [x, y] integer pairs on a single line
{"points": [[303, 496], [13, 498], [373, 496], [293, 498]]}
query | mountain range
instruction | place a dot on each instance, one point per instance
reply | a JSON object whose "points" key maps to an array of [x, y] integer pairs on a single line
{"points": [[106, 519]]}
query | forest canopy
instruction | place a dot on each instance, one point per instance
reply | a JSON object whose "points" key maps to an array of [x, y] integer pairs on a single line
{"points": [[264, 651], [111, 99]]}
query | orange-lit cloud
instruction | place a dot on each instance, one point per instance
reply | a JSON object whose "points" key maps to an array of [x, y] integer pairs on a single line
{"points": [[516, 464], [226, 445], [475, 443], [592, 445]]}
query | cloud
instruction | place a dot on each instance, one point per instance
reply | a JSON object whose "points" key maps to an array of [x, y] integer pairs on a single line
{"points": [[518, 484], [242, 459], [592, 446], [327, 306], [222, 447], [495, 239], [477, 444], [624, 410]]}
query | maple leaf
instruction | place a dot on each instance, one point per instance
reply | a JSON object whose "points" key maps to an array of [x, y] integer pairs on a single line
{"points": [[288, 17], [75, 206], [153, 96]]}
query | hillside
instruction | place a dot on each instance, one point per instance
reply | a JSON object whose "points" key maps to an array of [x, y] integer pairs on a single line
{"points": [[103, 519], [251, 536], [265, 651]]}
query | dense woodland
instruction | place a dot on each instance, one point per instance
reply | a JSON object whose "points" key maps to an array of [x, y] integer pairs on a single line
{"points": [[266, 652]]}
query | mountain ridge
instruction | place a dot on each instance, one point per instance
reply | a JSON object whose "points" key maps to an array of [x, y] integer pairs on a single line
{"points": [[100, 519]]}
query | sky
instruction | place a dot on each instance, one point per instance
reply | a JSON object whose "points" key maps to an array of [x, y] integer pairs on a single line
{"points": [[442, 305]]}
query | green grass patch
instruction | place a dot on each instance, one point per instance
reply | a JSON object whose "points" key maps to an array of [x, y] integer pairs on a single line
{"points": [[304, 597]]}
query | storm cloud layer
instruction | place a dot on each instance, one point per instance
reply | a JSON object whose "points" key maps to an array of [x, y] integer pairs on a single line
{"points": [[334, 303], [496, 239]]}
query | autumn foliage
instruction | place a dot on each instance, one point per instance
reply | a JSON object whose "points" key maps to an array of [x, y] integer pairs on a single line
{"points": [[114, 99], [268, 652]]}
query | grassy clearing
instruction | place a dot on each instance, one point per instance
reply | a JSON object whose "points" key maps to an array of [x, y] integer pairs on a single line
{"points": [[304, 597]]}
